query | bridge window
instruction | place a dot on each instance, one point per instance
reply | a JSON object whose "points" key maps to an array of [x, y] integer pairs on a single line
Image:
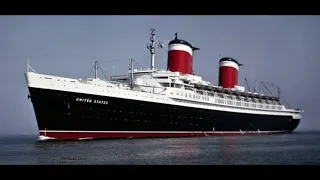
{"points": [[166, 85]]}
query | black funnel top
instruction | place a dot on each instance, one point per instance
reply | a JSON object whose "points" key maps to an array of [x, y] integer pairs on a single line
{"points": [[180, 41], [230, 59]]}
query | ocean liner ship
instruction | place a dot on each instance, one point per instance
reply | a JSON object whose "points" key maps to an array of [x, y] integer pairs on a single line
{"points": [[154, 102]]}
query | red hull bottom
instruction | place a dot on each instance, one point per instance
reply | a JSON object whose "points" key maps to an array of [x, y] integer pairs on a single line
{"points": [[84, 135]]}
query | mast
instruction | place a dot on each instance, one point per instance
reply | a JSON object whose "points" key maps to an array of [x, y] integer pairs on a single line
{"points": [[255, 86], [96, 67], [151, 47], [245, 79], [131, 73]]}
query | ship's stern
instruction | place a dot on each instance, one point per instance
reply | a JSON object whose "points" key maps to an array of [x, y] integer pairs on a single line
{"points": [[296, 118]]}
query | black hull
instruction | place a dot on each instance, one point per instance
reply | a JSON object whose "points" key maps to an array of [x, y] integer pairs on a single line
{"points": [[60, 111]]}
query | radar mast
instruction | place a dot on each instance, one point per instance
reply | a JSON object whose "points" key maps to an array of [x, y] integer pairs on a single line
{"points": [[152, 47]]}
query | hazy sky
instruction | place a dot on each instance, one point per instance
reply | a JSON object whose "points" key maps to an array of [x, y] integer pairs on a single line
{"points": [[279, 49]]}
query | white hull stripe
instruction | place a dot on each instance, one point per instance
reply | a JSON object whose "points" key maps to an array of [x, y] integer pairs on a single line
{"points": [[229, 64], [180, 47]]}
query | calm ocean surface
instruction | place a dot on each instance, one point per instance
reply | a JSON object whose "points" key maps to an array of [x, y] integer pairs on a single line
{"points": [[295, 148]]}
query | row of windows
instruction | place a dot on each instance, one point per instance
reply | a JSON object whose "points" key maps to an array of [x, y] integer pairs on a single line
{"points": [[229, 102], [193, 96]]}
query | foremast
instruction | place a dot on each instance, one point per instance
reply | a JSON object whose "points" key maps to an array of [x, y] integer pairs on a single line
{"points": [[152, 47]]}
